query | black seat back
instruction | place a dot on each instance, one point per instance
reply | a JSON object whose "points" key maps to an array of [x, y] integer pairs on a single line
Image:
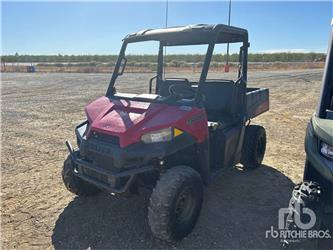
{"points": [[219, 99], [165, 84]]}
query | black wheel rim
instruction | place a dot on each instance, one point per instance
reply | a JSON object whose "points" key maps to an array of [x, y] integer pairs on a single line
{"points": [[184, 206]]}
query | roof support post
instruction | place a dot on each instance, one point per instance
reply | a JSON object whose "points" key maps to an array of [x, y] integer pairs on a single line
{"points": [[244, 61], [205, 69], [160, 66]]}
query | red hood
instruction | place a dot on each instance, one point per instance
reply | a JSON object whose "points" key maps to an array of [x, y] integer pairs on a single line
{"points": [[129, 120]]}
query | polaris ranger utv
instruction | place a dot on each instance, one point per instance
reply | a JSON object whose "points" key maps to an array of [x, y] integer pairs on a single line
{"points": [[174, 139], [316, 190]]}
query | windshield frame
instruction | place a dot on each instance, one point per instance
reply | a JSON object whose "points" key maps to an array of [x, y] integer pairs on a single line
{"points": [[243, 54]]}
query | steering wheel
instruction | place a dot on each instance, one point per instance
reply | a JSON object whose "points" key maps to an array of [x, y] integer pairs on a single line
{"points": [[182, 91]]}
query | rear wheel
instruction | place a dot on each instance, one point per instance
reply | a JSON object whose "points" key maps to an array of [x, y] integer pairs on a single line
{"points": [[73, 183], [254, 146], [175, 203]]}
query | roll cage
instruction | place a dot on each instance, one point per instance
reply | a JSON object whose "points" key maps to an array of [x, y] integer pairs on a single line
{"points": [[187, 35]]}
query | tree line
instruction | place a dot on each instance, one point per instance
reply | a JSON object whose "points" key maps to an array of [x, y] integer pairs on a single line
{"points": [[184, 58]]}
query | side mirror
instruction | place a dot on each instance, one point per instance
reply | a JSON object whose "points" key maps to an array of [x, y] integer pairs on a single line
{"points": [[122, 66]]}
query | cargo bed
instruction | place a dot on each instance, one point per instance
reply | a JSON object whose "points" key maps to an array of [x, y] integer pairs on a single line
{"points": [[257, 101]]}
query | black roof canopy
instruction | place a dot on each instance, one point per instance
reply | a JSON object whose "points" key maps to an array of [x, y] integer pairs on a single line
{"points": [[191, 34]]}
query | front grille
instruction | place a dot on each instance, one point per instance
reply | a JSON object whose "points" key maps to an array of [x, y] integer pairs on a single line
{"points": [[93, 174], [98, 148], [106, 138], [99, 160]]}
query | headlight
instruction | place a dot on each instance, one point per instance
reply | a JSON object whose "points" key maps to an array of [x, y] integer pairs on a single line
{"points": [[327, 150], [158, 136]]}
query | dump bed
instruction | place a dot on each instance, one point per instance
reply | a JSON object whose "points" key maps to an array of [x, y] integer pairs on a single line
{"points": [[257, 101]]}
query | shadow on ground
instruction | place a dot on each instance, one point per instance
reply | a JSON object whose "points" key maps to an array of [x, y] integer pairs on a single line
{"points": [[239, 207]]}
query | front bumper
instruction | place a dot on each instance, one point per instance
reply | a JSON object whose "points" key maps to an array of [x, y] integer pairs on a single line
{"points": [[108, 180]]}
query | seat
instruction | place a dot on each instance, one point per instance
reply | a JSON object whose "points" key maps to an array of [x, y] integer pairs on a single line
{"points": [[219, 100], [164, 85]]}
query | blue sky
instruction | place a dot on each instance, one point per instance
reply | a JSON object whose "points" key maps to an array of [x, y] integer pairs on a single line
{"points": [[98, 27]]}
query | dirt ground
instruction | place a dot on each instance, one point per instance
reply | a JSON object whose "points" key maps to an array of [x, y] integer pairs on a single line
{"points": [[40, 111]]}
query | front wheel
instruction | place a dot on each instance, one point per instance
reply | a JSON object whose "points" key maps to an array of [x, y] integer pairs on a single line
{"points": [[254, 146], [73, 183], [305, 213], [175, 203]]}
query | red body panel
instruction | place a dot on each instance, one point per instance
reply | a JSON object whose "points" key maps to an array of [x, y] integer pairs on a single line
{"points": [[129, 120]]}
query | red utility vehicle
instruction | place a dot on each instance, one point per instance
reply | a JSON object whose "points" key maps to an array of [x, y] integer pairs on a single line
{"points": [[174, 139]]}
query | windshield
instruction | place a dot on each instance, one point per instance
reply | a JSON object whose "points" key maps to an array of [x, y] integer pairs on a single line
{"points": [[184, 62], [149, 68], [139, 66]]}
